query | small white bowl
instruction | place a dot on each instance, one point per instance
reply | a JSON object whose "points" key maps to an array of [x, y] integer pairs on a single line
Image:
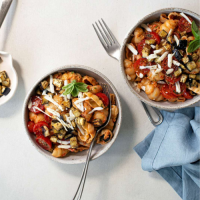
{"points": [[98, 150], [142, 95], [7, 65]]}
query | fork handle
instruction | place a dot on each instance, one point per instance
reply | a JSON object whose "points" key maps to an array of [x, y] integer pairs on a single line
{"points": [[84, 173], [160, 117]]}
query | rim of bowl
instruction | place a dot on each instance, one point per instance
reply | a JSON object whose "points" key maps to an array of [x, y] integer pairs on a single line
{"points": [[126, 38], [70, 67]]}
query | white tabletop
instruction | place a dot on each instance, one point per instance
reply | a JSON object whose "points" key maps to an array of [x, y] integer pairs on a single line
{"points": [[42, 35]]}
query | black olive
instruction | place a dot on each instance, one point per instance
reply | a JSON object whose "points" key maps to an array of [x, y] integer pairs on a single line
{"points": [[177, 54], [6, 92], [182, 44]]}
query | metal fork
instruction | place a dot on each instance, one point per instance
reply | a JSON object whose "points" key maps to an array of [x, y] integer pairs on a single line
{"points": [[80, 188], [112, 47]]}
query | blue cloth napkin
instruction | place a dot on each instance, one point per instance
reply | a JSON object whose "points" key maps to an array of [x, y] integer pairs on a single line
{"points": [[173, 150]]}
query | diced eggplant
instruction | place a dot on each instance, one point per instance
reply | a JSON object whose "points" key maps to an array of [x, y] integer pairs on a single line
{"points": [[60, 136], [38, 91], [192, 93], [3, 76], [68, 136], [195, 57], [191, 65], [178, 72], [81, 121], [55, 131], [170, 39], [57, 82], [74, 132], [193, 76], [53, 139], [63, 131], [190, 58], [150, 41], [73, 142], [75, 112], [183, 78], [146, 51], [58, 126], [192, 83], [185, 59], [198, 77], [6, 82], [44, 100], [5, 90], [167, 46], [45, 131], [163, 34], [182, 44], [177, 54], [43, 85], [66, 103], [182, 66]]}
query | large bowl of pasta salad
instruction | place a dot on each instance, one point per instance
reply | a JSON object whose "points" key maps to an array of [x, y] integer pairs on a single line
{"points": [[160, 58], [64, 109]]}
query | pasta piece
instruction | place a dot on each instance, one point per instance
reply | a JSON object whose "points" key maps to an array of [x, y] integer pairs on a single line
{"points": [[79, 149], [100, 117], [59, 153], [89, 80], [169, 24], [36, 117], [104, 137], [114, 112], [153, 76], [94, 100], [59, 99], [155, 26], [139, 35], [129, 70], [195, 89], [70, 76], [163, 17], [57, 75], [87, 110], [95, 89], [174, 15], [110, 125]]}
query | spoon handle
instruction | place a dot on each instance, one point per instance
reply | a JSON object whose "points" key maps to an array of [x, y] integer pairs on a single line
{"points": [[4, 9]]}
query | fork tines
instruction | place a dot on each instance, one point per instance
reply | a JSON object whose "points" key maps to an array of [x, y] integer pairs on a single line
{"points": [[104, 33]]}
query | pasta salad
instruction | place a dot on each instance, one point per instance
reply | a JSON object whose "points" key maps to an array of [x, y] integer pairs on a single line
{"points": [[66, 111], [163, 58]]}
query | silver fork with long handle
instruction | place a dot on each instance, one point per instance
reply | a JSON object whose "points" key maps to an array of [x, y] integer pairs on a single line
{"points": [[4, 9], [112, 47], [80, 188]]}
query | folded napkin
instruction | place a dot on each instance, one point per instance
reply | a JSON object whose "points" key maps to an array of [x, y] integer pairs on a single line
{"points": [[173, 150]]}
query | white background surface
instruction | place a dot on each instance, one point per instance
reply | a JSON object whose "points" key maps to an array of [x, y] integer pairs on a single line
{"points": [[42, 35]]}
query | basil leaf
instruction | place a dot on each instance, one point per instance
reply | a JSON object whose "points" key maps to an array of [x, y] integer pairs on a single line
{"points": [[82, 89], [195, 30], [194, 45], [75, 92], [68, 86], [68, 90]]}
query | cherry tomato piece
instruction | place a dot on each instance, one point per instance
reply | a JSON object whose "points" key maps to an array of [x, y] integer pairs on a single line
{"points": [[104, 98], [141, 62], [47, 119], [187, 94], [172, 79], [172, 89], [166, 92], [44, 142], [30, 126], [153, 35], [140, 46], [37, 129], [184, 25], [36, 101]]}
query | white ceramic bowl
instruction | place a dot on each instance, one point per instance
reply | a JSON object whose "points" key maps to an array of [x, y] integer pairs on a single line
{"points": [[98, 150], [142, 95], [7, 65]]}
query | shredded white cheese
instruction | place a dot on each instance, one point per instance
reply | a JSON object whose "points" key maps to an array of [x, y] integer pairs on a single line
{"points": [[79, 102], [159, 66], [176, 39], [44, 92], [128, 77], [63, 123], [169, 71], [178, 87], [163, 56], [176, 63], [30, 104], [170, 32], [71, 115], [146, 27], [161, 82], [153, 46], [51, 84], [141, 75], [152, 56], [80, 129], [143, 88], [35, 107], [95, 109], [170, 60], [132, 49], [49, 98], [157, 51], [53, 112], [149, 67], [64, 146], [158, 70], [63, 142], [183, 15]]}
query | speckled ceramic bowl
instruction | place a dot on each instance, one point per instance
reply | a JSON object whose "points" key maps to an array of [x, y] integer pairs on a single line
{"points": [[141, 95], [98, 150]]}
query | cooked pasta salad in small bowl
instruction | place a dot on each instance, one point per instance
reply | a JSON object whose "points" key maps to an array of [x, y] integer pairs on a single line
{"points": [[160, 59], [65, 108]]}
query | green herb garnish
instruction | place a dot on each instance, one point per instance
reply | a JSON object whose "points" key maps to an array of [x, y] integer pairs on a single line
{"points": [[74, 88], [195, 44]]}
